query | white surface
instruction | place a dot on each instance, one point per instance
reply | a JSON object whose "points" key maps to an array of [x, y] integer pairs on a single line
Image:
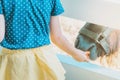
{"points": [[86, 71], [103, 12]]}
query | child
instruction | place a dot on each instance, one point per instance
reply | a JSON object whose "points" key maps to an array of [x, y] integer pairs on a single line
{"points": [[111, 60], [103, 44], [26, 53]]}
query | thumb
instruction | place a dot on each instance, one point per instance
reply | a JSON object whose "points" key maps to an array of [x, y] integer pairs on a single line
{"points": [[87, 53]]}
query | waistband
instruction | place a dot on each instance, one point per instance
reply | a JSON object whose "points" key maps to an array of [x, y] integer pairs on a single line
{"points": [[45, 47]]}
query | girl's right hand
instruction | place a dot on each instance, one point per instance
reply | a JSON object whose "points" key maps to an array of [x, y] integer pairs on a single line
{"points": [[81, 56]]}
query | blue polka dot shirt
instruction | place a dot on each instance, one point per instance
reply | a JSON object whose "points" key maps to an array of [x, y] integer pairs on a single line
{"points": [[27, 22]]}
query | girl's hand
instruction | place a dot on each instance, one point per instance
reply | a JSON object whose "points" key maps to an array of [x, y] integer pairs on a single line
{"points": [[81, 56]]}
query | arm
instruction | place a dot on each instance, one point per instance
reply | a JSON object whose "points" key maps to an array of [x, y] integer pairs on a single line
{"points": [[2, 27], [58, 39]]}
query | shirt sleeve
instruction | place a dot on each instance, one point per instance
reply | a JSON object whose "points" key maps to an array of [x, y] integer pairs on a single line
{"points": [[57, 8], [1, 10]]}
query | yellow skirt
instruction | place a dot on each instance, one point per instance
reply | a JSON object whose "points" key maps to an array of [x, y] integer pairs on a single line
{"points": [[30, 64]]}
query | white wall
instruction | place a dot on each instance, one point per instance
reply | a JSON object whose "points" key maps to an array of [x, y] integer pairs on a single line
{"points": [[103, 12]]}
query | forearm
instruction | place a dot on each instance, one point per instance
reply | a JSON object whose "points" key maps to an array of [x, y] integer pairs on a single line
{"points": [[64, 44], [58, 39], [2, 27]]}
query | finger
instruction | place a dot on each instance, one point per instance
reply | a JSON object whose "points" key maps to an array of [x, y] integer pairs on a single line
{"points": [[87, 54]]}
